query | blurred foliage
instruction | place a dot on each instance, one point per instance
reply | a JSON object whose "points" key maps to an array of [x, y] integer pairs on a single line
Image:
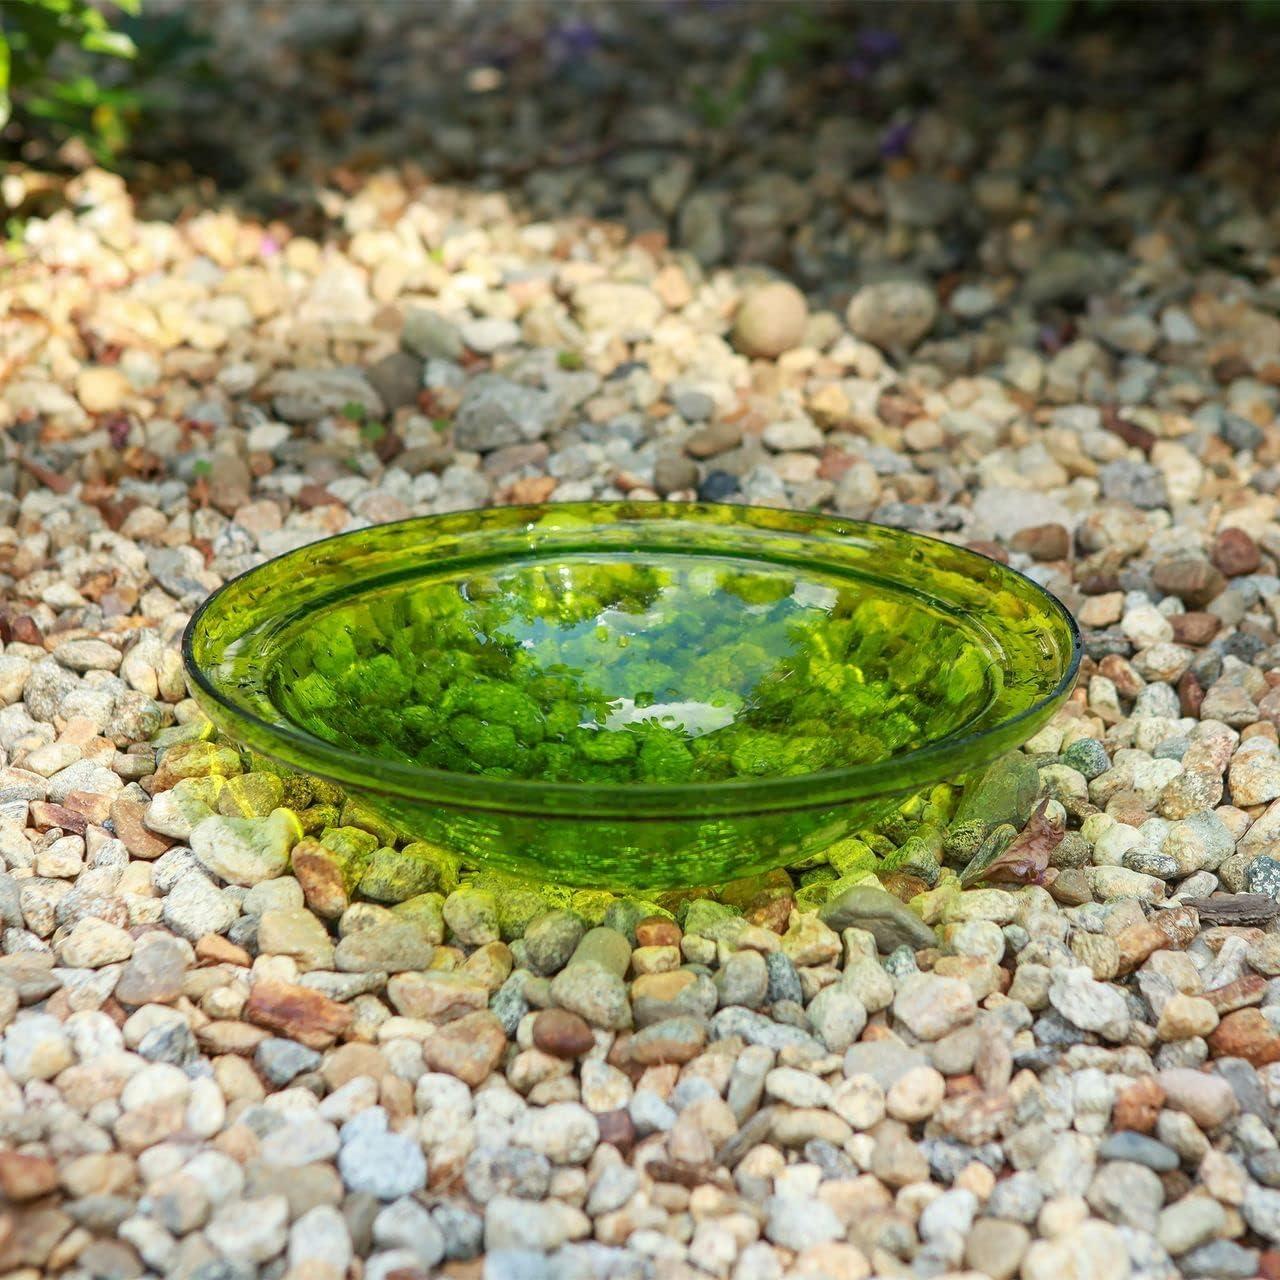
{"points": [[1048, 17], [76, 68], [793, 33]]}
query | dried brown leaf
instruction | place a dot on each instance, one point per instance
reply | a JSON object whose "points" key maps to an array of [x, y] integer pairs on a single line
{"points": [[1026, 860]]}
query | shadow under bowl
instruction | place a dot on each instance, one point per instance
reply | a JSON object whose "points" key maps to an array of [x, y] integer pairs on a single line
{"points": [[636, 695]]}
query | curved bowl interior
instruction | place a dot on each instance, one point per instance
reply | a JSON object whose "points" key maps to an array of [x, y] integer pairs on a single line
{"points": [[633, 695]]}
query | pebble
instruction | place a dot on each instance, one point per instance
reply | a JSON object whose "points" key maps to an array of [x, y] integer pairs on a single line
{"points": [[889, 921], [565, 1132], [795, 1223], [245, 851], [381, 1163], [931, 1006], [771, 319], [893, 314]]}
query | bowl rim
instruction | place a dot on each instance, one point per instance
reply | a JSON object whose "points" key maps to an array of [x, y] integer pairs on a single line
{"points": [[735, 797]]}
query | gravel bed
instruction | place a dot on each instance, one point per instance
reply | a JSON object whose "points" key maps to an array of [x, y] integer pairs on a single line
{"points": [[424, 259]]}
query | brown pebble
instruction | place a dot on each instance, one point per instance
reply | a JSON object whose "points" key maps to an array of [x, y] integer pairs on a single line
{"points": [[469, 1048], [214, 949], [1071, 887], [1190, 695], [773, 914], [45, 816], [658, 931], [298, 1012], [1098, 584], [1230, 367], [1120, 672], [1137, 1107], [1192, 579], [714, 438], [395, 1095], [617, 1129], [1137, 942], [1235, 553], [95, 809], [1128, 807], [140, 840], [1043, 542], [1240, 994], [26, 1177], [316, 495], [1180, 925], [26, 630], [904, 887], [992, 550], [348, 1061], [1246, 1034], [1194, 627], [562, 1034], [1176, 1184]]}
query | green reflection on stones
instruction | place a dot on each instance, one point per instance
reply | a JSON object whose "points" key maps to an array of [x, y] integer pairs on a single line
{"points": [[629, 670]]}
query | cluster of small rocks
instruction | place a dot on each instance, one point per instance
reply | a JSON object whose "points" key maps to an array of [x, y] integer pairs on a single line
{"points": [[250, 1031]]}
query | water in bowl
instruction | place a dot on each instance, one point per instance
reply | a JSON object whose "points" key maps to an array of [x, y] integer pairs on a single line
{"points": [[626, 668]]}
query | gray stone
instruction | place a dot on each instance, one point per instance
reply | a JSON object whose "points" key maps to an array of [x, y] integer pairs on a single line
{"points": [[392, 946], [885, 1061], [407, 1224], [743, 979], [430, 335], [195, 907], [461, 1230], [1137, 1148], [1262, 875], [1192, 1222], [496, 412], [784, 981], [1261, 1210], [374, 1160], [281, 1060], [1221, 1260], [800, 1223], [1127, 1194], [755, 1028], [305, 395], [551, 940], [1089, 1005], [888, 920]]}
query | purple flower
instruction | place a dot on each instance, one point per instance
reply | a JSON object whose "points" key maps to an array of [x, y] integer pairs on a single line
{"points": [[572, 41], [1051, 339], [879, 45], [896, 139], [858, 69]]}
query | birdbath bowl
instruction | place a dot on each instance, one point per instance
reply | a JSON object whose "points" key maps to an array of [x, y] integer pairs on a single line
{"points": [[633, 696]]}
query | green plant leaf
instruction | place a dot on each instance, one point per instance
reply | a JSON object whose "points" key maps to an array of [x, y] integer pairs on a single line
{"points": [[6, 105], [132, 7], [114, 44], [1045, 17]]}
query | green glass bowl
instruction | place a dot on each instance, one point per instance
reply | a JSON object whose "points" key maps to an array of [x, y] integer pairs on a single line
{"points": [[631, 695]]}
